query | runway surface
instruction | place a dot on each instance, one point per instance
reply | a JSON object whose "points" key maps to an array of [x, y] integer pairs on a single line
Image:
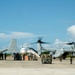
{"points": [[11, 67]]}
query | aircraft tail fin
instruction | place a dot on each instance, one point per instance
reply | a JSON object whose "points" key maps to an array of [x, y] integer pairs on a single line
{"points": [[12, 48]]}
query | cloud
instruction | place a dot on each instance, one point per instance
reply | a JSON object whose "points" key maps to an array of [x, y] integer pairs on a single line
{"points": [[16, 35], [2, 35], [71, 32], [22, 35], [19, 35]]}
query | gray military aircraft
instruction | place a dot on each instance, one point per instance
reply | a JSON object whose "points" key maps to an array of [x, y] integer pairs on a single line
{"points": [[11, 48]]}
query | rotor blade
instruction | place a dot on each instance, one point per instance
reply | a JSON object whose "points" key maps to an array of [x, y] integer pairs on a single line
{"points": [[33, 43], [39, 41], [69, 43], [45, 42], [73, 42]]}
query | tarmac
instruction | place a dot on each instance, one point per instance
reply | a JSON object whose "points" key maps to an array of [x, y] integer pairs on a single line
{"points": [[22, 67]]}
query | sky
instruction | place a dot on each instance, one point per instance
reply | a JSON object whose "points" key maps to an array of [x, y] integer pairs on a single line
{"points": [[26, 20]]}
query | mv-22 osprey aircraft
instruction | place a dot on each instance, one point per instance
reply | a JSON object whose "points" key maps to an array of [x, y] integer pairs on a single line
{"points": [[55, 53], [39, 42]]}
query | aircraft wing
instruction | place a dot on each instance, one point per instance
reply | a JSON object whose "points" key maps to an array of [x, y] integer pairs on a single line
{"points": [[68, 50]]}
